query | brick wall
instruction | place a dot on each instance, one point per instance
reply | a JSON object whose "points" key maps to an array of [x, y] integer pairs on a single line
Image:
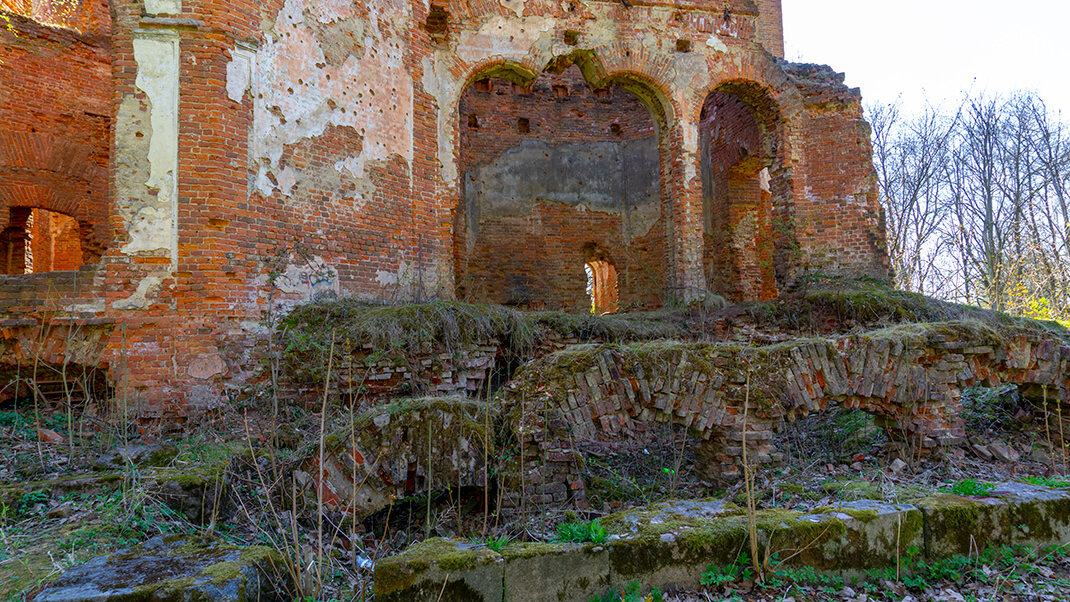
{"points": [[55, 111], [528, 241], [321, 148], [839, 221], [771, 26]]}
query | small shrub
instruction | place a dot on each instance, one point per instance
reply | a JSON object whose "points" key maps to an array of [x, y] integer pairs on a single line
{"points": [[31, 499], [497, 543], [739, 570]]}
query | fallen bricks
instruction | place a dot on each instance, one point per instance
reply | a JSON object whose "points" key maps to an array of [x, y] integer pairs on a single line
{"points": [[910, 377]]}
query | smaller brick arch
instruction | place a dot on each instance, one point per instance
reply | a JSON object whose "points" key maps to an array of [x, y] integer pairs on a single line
{"points": [[602, 284], [39, 171], [910, 376]]}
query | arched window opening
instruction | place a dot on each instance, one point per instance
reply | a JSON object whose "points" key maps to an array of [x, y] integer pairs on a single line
{"points": [[556, 165], [39, 240], [602, 287]]}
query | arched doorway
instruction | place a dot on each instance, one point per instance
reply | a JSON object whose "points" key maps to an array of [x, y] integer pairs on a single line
{"points": [[55, 147], [745, 191], [39, 240], [548, 167]]}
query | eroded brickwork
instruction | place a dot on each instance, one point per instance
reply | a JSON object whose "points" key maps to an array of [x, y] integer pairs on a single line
{"points": [[256, 155], [553, 175], [911, 377]]}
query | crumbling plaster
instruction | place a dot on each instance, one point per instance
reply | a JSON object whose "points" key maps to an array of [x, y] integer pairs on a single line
{"points": [[327, 63], [147, 149]]}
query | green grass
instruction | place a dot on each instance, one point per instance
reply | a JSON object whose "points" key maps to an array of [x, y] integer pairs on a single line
{"points": [[495, 543], [581, 532], [1054, 482], [971, 487]]}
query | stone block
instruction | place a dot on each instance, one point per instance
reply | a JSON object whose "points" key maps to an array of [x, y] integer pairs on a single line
{"points": [[1012, 514], [441, 569], [555, 571], [171, 568]]}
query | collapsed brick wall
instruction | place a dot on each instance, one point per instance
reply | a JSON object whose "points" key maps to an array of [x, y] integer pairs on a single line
{"points": [[839, 221], [911, 377], [403, 449], [556, 174]]}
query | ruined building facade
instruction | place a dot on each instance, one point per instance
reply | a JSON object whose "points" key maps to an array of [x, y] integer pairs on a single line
{"points": [[173, 173]]}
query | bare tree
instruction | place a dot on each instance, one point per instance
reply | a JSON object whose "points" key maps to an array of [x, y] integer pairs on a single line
{"points": [[978, 202], [909, 156]]}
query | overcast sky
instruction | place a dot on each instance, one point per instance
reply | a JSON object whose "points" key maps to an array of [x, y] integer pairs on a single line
{"points": [[937, 48]]}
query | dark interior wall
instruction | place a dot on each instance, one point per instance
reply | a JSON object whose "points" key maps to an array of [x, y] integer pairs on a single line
{"points": [[552, 175]]}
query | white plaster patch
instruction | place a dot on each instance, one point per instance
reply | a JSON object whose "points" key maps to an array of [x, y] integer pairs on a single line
{"points": [[311, 278], [715, 43], [241, 74], [445, 88], [505, 37], [163, 7], [764, 179], [139, 298], [354, 166], [329, 11], [286, 177], [206, 366], [300, 94], [387, 278], [153, 227], [517, 6]]}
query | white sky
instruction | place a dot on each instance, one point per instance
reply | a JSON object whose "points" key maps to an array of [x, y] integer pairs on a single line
{"points": [[937, 49]]}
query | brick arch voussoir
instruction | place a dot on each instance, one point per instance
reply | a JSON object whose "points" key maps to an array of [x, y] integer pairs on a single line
{"points": [[522, 72], [41, 196], [760, 72]]}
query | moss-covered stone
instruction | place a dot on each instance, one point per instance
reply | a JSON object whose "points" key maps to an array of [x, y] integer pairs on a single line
{"points": [[174, 568], [663, 547], [441, 569], [669, 545], [1014, 514], [555, 571]]}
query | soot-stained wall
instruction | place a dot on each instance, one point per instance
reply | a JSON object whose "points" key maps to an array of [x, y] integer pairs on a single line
{"points": [[553, 175]]}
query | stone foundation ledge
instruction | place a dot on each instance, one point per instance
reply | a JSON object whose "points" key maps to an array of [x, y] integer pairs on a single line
{"points": [[669, 545]]}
